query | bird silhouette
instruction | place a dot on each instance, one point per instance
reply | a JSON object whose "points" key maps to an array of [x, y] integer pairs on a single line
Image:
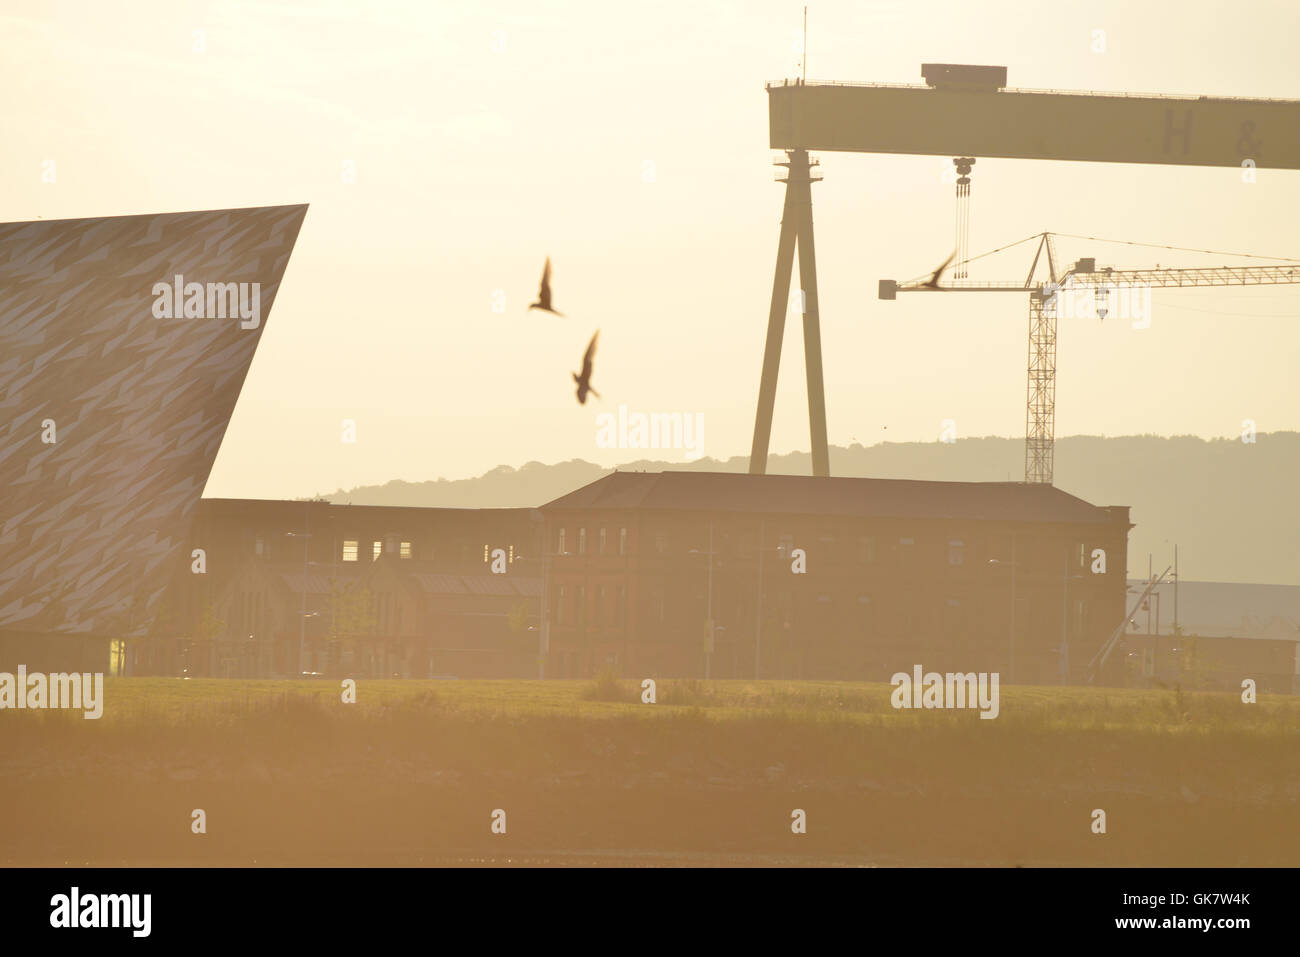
{"points": [[933, 282], [544, 293], [584, 380]]}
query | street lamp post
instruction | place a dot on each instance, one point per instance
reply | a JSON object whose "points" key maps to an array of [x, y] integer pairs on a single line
{"points": [[708, 648], [544, 626], [1011, 669], [1064, 656], [758, 617], [708, 625], [302, 618]]}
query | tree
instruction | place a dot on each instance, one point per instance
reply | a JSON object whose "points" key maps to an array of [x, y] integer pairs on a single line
{"points": [[352, 616], [206, 632]]}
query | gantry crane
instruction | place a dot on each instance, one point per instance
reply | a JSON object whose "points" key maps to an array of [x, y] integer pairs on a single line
{"points": [[967, 111], [1044, 299]]}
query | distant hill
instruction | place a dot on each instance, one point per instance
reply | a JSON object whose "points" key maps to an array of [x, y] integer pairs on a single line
{"points": [[1230, 506]]}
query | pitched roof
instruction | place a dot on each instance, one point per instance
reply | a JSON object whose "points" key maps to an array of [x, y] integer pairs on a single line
{"points": [[811, 495]]}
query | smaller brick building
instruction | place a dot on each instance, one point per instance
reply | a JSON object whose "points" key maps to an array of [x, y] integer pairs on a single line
{"points": [[381, 591], [681, 573]]}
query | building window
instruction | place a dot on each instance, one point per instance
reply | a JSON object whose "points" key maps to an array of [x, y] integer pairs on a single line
{"points": [[406, 549], [785, 545], [866, 550], [1083, 554], [601, 547], [557, 612], [622, 541], [865, 613], [907, 541], [350, 551], [661, 541], [580, 612], [376, 549], [259, 547], [582, 541], [620, 605], [956, 552], [599, 617], [559, 547]]}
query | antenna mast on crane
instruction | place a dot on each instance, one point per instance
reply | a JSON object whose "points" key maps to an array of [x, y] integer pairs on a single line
{"points": [[805, 45]]}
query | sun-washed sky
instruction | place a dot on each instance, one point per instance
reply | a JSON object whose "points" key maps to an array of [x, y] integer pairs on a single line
{"points": [[629, 143]]}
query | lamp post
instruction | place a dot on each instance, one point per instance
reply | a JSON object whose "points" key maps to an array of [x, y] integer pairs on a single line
{"points": [[758, 617], [302, 618], [758, 622], [1064, 656], [708, 624], [544, 626], [1011, 669]]}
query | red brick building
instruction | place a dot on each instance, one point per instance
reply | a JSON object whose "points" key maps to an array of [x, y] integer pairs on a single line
{"points": [[287, 587], [834, 578]]}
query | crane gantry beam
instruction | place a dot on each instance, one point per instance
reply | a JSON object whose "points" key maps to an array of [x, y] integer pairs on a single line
{"points": [[1034, 124]]}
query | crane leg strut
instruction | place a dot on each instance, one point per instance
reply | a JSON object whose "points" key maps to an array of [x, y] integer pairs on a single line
{"points": [[796, 230]]}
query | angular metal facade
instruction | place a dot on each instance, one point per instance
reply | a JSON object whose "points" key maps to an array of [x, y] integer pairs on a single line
{"points": [[110, 416]]}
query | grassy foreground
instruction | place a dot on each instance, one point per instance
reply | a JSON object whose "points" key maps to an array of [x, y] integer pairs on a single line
{"points": [[413, 771]]}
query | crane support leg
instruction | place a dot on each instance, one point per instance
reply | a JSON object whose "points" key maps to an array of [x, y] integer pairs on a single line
{"points": [[1040, 415], [796, 228]]}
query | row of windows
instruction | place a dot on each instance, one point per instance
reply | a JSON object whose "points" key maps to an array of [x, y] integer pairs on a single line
{"points": [[614, 614], [603, 544], [866, 547], [352, 550]]}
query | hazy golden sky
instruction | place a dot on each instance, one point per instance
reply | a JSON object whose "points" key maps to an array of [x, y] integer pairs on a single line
{"points": [[488, 135]]}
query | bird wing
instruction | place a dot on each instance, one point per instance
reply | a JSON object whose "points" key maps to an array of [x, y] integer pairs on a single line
{"points": [[934, 280], [544, 292], [589, 354]]}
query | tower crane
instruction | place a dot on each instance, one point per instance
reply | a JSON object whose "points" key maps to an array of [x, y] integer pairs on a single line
{"points": [[1044, 301]]}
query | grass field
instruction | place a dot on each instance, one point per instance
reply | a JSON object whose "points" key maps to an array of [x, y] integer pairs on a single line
{"points": [[410, 773]]}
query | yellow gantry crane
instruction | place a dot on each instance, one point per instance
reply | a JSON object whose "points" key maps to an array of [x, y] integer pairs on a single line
{"points": [[966, 111], [1045, 301]]}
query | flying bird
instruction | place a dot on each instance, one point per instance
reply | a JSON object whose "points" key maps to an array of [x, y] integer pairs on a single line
{"points": [[584, 380], [933, 282], [544, 293]]}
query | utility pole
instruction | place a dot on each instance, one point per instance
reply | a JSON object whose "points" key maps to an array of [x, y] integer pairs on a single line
{"points": [[758, 618], [302, 618], [708, 648], [1011, 674], [995, 561], [1175, 589], [544, 626], [1065, 617]]}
